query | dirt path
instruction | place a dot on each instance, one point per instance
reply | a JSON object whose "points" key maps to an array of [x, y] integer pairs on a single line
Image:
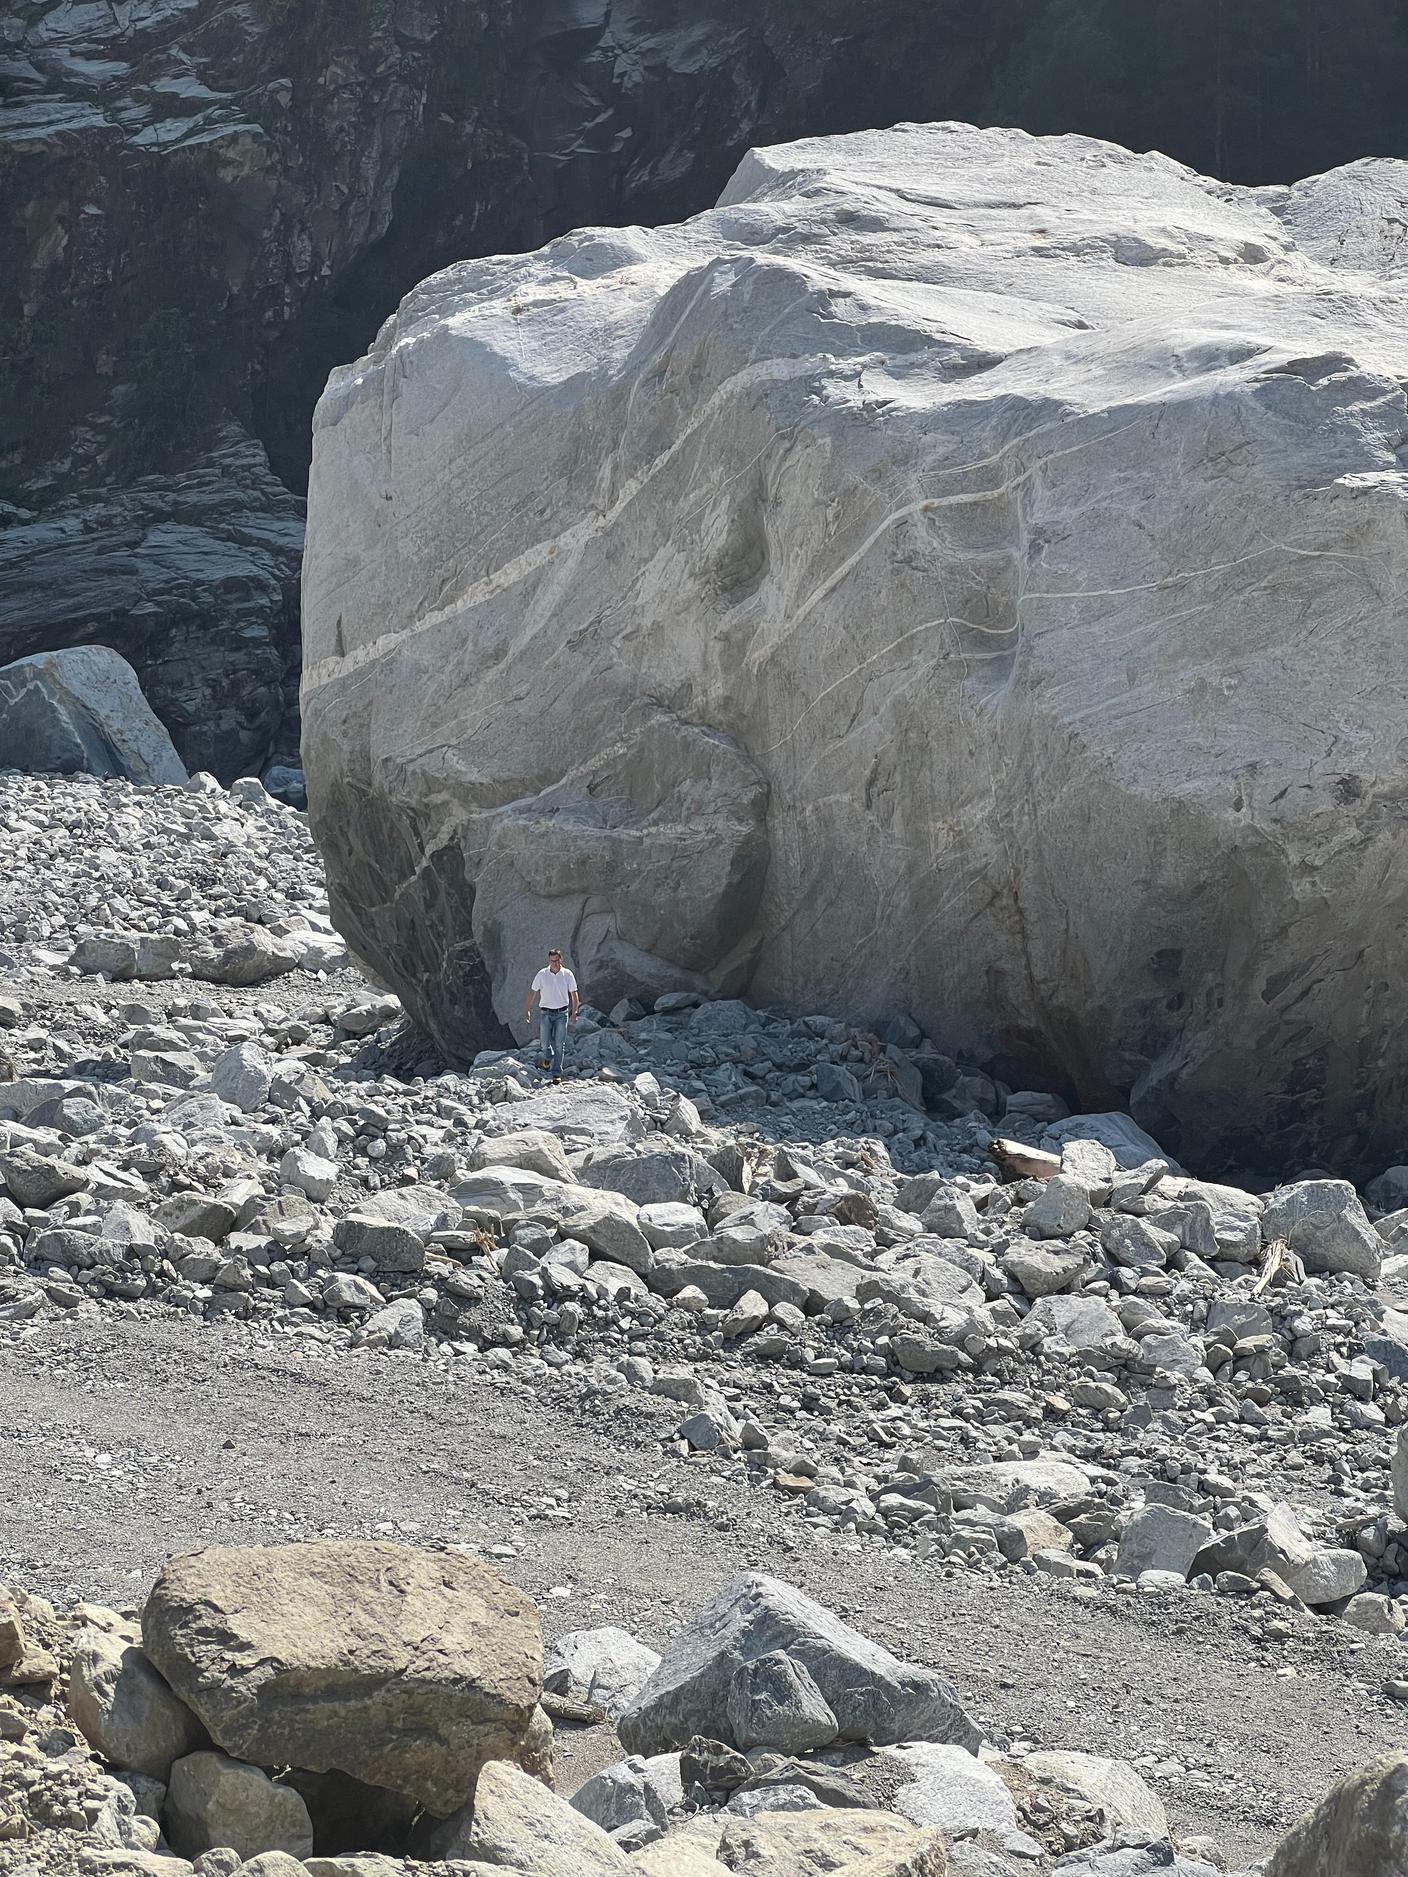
{"points": [[124, 1440]]}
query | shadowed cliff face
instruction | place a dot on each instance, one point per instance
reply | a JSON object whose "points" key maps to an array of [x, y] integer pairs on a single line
{"points": [[206, 206]]}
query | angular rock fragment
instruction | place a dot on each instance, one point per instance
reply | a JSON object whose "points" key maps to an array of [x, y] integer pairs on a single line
{"points": [[1359, 1829], [215, 1800], [605, 1667], [125, 1708], [872, 1696], [82, 710]]}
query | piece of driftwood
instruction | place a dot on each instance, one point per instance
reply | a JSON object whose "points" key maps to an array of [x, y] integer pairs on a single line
{"points": [[567, 1708], [1016, 1161], [1278, 1260]]}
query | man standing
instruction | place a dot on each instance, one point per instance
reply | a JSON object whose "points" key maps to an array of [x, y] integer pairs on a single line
{"points": [[556, 990]]}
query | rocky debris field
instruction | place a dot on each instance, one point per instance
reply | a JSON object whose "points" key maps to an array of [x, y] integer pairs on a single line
{"points": [[1055, 1375], [367, 1709]]}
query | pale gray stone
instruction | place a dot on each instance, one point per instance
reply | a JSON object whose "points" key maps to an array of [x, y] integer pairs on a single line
{"points": [[1327, 1575], [516, 1824], [215, 1800], [125, 1708], [1129, 1803], [531, 1149], [1160, 1538], [632, 1796], [951, 1790], [242, 1076], [1006, 1485], [82, 709], [606, 1667], [1324, 1224], [672, 1225], [1060, 1208], [1075, 1325], [798, 670]]}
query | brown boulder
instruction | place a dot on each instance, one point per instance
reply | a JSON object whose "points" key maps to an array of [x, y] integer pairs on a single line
{"points": [[406, 1669], [1359, 1829], [214, 1801]]}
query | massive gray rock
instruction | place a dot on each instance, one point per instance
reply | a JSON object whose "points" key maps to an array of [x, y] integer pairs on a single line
{"points": [[935, 580], [82, 711]]}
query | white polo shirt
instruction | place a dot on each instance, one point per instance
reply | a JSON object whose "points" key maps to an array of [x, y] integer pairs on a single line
{"points": [[555, 988]]}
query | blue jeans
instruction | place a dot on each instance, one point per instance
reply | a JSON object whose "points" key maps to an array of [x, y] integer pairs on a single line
{"points": [[554, 1035]]}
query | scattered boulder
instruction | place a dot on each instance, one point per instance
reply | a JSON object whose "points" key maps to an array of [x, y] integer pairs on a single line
{"points": [[406, 1669], [125, 1708], [1128, 1804], [633, 1798], [392, 1229], [872, 1696], [1324, 1224], [773, 1702], [951, 1790], [1359, 1829], [607, 1668], [1161, 1538], [251, 957], [1061, 1207], [516, 1824]]}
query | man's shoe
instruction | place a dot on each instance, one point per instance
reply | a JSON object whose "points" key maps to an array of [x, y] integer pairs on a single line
{"points": [[545, 1064], [557, 1078]]}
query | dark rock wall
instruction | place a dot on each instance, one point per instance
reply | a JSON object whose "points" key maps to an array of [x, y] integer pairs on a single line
{"points": [[203, 207], [206, 204]]}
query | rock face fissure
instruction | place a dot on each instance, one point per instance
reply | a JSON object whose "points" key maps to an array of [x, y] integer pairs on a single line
{"points": [[961, 574]]}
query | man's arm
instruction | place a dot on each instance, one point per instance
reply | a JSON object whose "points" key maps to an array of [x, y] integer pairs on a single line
{"points": [[573, 1002], [528, 1007]]}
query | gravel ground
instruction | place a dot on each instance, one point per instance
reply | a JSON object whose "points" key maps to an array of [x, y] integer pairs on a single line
{"points": [[128, 1439]]}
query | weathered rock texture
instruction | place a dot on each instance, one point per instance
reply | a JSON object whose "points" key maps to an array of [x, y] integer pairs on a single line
{"points": [[962, 574], [208, 204], [405, 1669]]}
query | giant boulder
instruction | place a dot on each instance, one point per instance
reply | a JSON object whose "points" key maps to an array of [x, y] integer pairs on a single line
{"points": [[405, 1669], [935, 579]]}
